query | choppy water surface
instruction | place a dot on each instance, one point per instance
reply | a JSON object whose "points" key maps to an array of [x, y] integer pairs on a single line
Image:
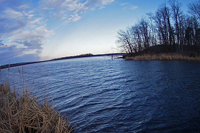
{"points": [[104, 95]]}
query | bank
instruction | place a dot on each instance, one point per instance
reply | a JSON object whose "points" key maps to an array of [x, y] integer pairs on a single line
{"points": [[166, 52], [23, 114]]}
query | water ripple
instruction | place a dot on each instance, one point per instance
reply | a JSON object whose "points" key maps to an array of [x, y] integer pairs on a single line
{"points": [[101, 95]]}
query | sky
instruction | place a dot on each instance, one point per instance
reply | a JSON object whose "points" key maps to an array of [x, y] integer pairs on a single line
{"points": [[35, 30]]}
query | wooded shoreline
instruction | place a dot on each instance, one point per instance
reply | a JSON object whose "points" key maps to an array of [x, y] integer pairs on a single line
{"points": [[167, 30], [166, 52]]}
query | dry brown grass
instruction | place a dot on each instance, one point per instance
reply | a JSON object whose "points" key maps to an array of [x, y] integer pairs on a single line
{"points": [[163, 57], [23, 114]]}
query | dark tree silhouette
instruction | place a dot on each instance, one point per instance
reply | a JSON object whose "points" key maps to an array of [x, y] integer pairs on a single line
{"points": [[167, 26], [194, 8]]}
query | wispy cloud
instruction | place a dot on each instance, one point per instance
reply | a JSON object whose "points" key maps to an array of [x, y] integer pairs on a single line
{"points": [[25, 6], [35, 22], [123, 4], [11, 14], [128, 6], [96, 3], [70, 10], [134, 7], [73, 18]]}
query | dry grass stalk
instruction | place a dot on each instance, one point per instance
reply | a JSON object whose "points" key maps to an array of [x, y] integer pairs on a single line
{"points": [[164, 57], [23, 114]]}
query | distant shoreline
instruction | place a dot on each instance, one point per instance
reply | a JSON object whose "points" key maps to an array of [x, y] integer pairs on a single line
{"points": [[62, 58]]}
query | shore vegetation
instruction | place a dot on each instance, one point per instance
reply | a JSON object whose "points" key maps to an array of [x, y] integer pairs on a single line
{"points": [[23, 114], [163, 57]]}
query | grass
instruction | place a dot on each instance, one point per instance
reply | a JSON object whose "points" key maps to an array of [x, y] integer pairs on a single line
{"points": [[163, 57], [23, 114]]}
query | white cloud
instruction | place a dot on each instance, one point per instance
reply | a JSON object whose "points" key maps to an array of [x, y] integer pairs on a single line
{"points": [[1, 44], [24, 46], [134, 7], [123, 4], [11, 21], [105, 2], [102, 7], [25, 31], [36, 21], [23, 6], [72, 5], [31, 39], [9, 51], [29, 14], [96, 3], [73, 18], [63, 9], [11, 14], [12, 54]]}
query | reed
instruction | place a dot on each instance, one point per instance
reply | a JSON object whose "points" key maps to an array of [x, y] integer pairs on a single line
{"points": [[23, 114], [163, 57]]}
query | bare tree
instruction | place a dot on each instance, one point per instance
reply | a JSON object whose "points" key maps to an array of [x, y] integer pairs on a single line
{"points": [[124, 41], [144, 33], [192, 27], [163, 23], [152, 31], [194, 9], [197, 37], [136, 37], [177, 14]]}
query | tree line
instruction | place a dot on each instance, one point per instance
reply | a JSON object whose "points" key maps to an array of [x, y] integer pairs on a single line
{"points": [[167, 26]]}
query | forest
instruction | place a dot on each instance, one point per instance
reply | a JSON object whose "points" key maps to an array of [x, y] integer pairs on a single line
{"points": [[168, 26]]}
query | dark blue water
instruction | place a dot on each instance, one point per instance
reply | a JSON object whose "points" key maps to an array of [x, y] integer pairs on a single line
{"points": [[104, 95]]}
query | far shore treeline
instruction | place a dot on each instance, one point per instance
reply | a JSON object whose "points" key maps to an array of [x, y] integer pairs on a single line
{"points": [[168, 26], [62, 58]]}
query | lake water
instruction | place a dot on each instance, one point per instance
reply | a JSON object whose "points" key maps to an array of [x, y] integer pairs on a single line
{"points": [[103, 95]]}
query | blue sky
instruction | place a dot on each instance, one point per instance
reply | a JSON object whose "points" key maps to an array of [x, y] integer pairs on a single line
{"points": [[32, 30]]}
